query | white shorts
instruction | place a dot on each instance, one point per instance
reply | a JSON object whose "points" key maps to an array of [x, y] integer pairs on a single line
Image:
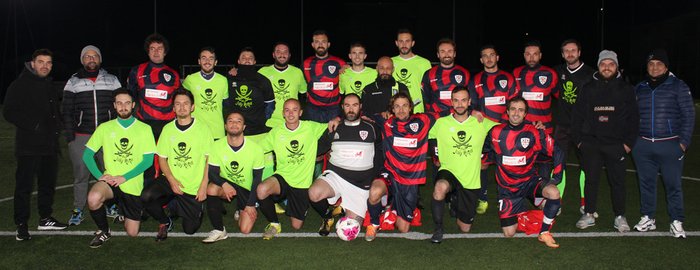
{"points": [[354, 198]]}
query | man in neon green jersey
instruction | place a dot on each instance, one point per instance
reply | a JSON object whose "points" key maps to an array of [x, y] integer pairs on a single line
{"points": [[209, 90], [460, 139], [128, 147], [235, 170], [287, 81], [355, 78], [183, 150], [295, 145], [410, 67]]}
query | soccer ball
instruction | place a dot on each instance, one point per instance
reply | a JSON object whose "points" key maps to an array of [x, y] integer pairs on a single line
{"points": [[347, 228]]}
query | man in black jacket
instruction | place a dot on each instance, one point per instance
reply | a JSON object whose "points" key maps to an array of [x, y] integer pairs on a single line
{"points": [[31, 105], [604, 126]]}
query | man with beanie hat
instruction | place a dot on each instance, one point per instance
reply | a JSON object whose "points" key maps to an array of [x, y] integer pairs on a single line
{"points": [[667, 118], [87, 102], [604, 127]]}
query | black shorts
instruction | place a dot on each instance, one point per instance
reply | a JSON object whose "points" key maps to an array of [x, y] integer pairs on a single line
{"points": [[405, 199], [510, 204], [463, 201], [297, 198], [185, 205], [130, 206], [242, 196]]}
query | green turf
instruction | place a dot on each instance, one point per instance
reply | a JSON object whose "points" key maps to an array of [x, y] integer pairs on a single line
{"points": [[315, 253]]}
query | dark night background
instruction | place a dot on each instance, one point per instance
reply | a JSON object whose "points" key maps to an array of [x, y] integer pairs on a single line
{"points": [[118, 28]]}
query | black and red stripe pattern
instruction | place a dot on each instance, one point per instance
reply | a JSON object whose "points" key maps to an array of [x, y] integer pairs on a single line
{"points": [[322, 78], [405, 147], [490, 92], [154, 85], [537, 85], [438, 83]]}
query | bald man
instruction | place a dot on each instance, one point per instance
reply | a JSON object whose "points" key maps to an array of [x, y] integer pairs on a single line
{"points": [[375, 98]]}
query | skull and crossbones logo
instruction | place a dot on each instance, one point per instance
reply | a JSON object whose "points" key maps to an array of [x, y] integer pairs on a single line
{"points": [[295, 152], [404, 77], [235, 173], [208, 104], [243, 99], [182, 155], [358, 86], [123, 151], [462, 146], [281, 89]]}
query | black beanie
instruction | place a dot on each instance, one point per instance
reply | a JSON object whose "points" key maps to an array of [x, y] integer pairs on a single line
{"points": [[659, 54]]}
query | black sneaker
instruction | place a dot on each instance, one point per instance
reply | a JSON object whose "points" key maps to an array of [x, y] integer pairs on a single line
{"points": [[437, 236], [50, 224], [23, 232], [100, 238], [119, 219], [326, 226], [162, 232]]}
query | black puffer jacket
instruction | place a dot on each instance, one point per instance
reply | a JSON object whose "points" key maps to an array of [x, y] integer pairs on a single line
{"points": [[86, 104], [31, 104]]}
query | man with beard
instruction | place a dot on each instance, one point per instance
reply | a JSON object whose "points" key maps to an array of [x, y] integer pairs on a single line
{"points": [[209, 90], [31, 105], [377, 95], [151, 85], [491, 88], [354, 161], [322, 72], [439, 81], [183, 149], [250, 93], [87, 102], [573, 75], [410, 67], [460, 140], [355, 78], [604, 126], [128, 146], [287, 81]]}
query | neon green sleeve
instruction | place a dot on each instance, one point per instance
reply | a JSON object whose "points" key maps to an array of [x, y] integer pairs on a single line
{"points": [[146, 163], [89, 160]]}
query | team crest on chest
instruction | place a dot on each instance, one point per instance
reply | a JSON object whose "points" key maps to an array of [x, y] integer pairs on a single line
{"points": [[167, 77], [503, 83], [363, 134], [331, 69], [525, 142], [543, 79], [413, 127], [458, 78]]}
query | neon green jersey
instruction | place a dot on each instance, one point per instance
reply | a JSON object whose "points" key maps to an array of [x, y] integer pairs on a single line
{"points": [[410, 72], [459, 147], [123, 148], [237, 166], [286, 84], [295, 151], [186, 152], [208, 98], [353, 82]]}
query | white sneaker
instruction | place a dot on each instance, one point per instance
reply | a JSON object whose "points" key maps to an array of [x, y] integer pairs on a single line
{"points": [[645, 224], [582, 210], [677, 229], [621, 224], [586, 220], [215, 235]]}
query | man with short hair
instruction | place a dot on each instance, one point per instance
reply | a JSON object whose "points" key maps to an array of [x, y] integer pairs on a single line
{"points": [[410, 67], [355, 78], [295, 145], [439, 81], [152, 84], [128, 147], [183, 150], [235, 170], [667, 119], [354, 162], [31, 105], [286, 79], [514, 146], [460, 140], [87, 102], [209, 89], [604, 126], [322, 72], [375, 99]]}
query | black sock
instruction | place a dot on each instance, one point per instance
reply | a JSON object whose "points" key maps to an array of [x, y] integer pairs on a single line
{"points": [[267, 207], [100, 218], [374, 212], [215, 209], [438, 210], [551, 207], [321, 208]]}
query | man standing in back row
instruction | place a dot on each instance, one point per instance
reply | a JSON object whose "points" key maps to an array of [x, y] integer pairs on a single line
{"points": [[409, 68], [322, 72]]}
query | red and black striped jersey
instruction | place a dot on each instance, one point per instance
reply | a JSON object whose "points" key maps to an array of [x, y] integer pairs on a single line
{"points": [[490, 92], [437, 85], [151, 85], [405, 147], [514, 149], [537, 85], [322, 78]]}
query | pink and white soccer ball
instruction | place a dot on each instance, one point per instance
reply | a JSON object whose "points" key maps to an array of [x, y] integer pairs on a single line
{"points": [[347, 228]]}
